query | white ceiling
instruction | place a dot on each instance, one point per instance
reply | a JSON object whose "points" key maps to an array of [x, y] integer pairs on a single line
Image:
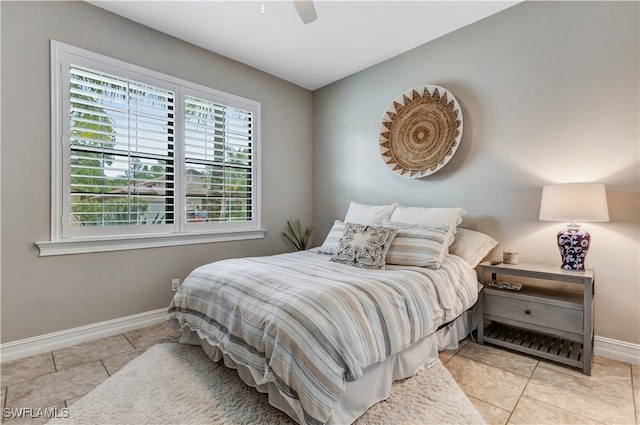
{"points": [[348, 36]]}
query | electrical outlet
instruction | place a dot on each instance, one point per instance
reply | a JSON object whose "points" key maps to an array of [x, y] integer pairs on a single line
{"points": [[175, 284]]}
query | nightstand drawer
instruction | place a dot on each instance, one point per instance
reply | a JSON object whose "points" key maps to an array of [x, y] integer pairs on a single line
{"points": [[534, 312]]}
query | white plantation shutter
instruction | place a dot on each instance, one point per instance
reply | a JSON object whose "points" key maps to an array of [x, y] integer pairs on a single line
{"points": [[218, 150], [121, 151], [142, 159]]}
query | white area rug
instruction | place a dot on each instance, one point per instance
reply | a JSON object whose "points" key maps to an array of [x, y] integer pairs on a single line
{"points": [[177, 384]]}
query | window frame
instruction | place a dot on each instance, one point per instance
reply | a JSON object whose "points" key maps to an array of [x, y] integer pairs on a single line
{"points": [[115, 238]]}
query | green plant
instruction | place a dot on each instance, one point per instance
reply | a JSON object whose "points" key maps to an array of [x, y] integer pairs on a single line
{"points": [[295, 236]]}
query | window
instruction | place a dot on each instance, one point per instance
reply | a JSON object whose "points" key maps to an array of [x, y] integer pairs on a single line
{"points": [[146, 159], [121, 152], [218, 161]]}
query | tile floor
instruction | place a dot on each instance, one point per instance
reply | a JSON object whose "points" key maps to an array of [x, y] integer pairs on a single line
{"points": [[510, 388], [506, 387]]}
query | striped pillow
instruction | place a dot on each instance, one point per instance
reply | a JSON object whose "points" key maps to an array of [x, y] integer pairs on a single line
{"points": [[418, 246], [331, 241]]}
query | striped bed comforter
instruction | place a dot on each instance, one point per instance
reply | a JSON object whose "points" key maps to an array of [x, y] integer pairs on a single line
{"points": [[309, 325]]}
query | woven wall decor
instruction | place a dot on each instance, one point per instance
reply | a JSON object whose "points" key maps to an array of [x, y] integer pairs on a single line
{"points": [[421, 130]]}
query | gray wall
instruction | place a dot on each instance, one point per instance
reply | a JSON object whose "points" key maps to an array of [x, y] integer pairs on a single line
{"points": [[549, 93], [44, 295]]}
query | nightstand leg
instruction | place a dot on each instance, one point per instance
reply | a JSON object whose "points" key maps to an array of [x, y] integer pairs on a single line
{"points": [[587, 348], [480, 307], [480, 318]]}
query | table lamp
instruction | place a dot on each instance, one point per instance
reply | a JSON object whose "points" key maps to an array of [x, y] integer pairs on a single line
{"points": [[574, 202]]}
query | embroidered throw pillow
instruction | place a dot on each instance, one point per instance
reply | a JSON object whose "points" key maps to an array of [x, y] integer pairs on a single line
{"points": [[364, 246]]}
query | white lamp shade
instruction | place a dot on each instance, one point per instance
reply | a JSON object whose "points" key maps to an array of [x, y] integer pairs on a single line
{"points": [[574, 202]]}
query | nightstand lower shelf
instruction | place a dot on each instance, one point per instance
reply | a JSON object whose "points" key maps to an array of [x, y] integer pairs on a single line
{"points": [[546, 346]]}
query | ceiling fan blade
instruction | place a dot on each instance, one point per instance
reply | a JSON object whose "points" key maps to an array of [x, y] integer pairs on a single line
{"points": [[306, 10]]}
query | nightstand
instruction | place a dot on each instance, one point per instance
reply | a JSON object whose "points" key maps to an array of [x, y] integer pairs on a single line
{"points": [[550, 317]]}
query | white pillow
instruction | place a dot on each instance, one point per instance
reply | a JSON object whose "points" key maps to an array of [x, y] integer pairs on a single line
{"points": [[333, 237], [472, 245], [418, 246], [429, 217], [368, 214]]}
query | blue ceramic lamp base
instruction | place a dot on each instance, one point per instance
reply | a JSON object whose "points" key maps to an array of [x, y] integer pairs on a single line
{"points": [[573, 244]]}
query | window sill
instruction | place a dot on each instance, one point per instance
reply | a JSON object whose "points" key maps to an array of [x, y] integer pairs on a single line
{"points": [[121, 243]]}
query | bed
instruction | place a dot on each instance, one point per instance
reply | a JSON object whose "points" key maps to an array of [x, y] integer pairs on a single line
{"points": [[325, 338]]}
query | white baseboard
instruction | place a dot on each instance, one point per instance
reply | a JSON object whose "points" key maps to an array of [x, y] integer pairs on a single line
{"points": [[57, 340], [606, 347], [617, 350]]}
